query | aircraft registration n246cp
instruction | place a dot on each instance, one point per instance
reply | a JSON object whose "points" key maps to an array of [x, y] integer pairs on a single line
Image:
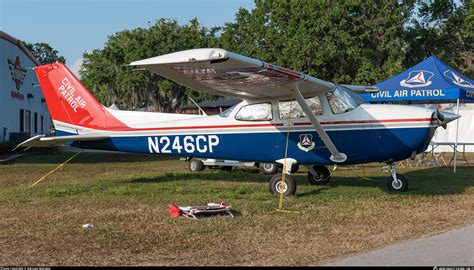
{"points": [[285, 116]]}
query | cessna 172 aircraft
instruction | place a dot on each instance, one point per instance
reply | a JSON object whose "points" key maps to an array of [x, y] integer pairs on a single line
{"points": [[285, 116]]}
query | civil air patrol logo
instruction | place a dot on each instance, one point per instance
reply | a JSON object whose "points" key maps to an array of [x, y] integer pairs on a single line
{"points": [[417, 78], [456, 79], [306, 142], [17, 72]]}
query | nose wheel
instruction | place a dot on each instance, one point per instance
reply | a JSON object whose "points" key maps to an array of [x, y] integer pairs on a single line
{"points": [[396, 182]]}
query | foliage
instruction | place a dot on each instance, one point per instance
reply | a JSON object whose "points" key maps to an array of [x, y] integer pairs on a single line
{"points": [[44, 53], [344, 42], [105, 71], [352, 42], [445, 30]]}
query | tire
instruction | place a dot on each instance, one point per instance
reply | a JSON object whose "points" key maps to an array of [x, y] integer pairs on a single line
{"points": [[295, 168], [276, 183], [397, 186], [268, 168], [322, 178], [196, 165]]}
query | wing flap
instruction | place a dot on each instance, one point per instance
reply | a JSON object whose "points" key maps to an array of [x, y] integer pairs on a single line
{"points": [[224, 73], [43, 141]]}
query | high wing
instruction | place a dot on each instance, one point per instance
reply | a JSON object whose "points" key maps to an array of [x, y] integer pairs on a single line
{"points": [[224, 73], [219, 72], [43, 141]]}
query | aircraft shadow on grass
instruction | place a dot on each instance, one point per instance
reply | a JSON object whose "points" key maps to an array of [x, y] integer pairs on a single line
{"points": [[89, 158], [427, 181], [424, 181]]}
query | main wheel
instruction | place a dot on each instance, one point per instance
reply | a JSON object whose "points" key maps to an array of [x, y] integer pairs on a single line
{"points": [[268, 168], [196, 165], [321, 177], [277, 187], [398, 185]]}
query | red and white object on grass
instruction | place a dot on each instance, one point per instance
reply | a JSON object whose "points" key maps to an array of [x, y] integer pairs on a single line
{"points": [[199, 212]]}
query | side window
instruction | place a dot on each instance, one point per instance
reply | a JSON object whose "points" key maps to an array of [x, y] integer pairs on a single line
{"points": [[255, 112], [314, 104]]}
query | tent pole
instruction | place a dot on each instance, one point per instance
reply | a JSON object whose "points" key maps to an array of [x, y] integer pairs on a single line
{"points": [[457, 131]]}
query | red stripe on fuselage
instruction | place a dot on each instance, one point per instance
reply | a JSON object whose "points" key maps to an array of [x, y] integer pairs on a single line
{"points": [[278, 124], [371, 121]]}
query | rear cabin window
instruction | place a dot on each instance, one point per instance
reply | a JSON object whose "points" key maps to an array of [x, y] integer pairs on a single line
{"points": [[296, 112], [255, 112]]}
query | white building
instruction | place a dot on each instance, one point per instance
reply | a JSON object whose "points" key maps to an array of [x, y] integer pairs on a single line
{"points": [[23, 110]]}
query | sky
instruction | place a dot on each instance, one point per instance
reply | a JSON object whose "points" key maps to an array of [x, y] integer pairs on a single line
{"points": [[75, 26]]}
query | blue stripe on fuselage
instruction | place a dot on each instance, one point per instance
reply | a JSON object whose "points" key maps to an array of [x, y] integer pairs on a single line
{"points": [[360, 146]]}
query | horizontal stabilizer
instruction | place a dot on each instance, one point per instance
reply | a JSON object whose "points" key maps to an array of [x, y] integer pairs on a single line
{"points": [[43, 141]]}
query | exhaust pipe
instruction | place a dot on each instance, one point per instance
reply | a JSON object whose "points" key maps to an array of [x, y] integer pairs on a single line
{"points": [[442, 118]]}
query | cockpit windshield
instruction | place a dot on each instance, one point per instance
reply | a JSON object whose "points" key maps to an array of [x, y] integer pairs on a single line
{"points": [[342, 100], [227, 112]]}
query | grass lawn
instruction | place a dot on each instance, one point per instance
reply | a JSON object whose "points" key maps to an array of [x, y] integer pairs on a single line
{"points": [[126, 197]]}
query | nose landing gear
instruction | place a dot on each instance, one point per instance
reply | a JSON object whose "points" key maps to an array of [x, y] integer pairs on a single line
{"points": [[396, 182]]}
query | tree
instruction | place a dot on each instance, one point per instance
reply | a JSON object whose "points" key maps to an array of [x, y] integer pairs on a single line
{"points": [[445, 30], [107, 74], [340, 41], [351, 42], [44, 53]]}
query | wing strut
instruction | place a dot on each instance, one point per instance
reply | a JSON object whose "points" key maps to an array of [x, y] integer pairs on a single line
{"points": [[336, 156]]}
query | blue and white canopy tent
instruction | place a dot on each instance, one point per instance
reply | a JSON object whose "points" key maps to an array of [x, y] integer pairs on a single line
{"points": [[430, 81]]}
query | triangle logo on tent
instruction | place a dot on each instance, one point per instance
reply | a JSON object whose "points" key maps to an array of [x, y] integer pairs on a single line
{"points": [[420, 77], [456, 79], [417, 78]]}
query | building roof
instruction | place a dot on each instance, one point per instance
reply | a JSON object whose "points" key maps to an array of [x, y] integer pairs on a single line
{"points": [[220, 103], [20, 45]]}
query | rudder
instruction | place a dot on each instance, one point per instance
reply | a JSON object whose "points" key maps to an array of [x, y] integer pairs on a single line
{"points": [[70, 104]]}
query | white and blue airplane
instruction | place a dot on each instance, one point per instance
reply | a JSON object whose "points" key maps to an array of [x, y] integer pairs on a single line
{"points": [[286, 117]]}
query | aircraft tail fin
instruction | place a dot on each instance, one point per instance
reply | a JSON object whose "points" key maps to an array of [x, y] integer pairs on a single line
{"points": [[71, 105]]}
